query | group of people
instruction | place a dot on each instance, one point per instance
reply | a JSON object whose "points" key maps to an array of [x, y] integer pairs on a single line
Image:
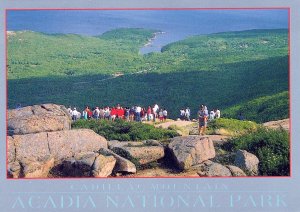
{"points": [[185, 114], [134, 113], [204, 117], [139, 114]]}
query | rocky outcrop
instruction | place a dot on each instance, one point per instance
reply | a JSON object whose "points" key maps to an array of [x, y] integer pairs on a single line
{"points": [[38, 118], [211, 169], [191, 150], [279, 124], [38, 153], [60, 144], [138, 152], [247, 161], [65, 144], [122, 164]]}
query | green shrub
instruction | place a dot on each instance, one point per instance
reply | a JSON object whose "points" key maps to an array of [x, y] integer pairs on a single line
{"points": [[262, 109], [125, 131], [231, 126], [269, 145]]}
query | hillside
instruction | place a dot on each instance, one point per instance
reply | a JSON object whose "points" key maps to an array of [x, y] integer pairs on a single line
{"points": [[32, 54], [262, 109], [220, 70]]}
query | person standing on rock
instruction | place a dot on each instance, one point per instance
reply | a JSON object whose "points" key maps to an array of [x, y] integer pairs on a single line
{"points": [[107, 113], [101, 113], [74, 114], [182, 114], [89, 112], [113, 114], [85, 114], [148, 113], [127, 113], [96, 113], [202, 116], [165, 114], [138, 110], [131, 113], [161, 115], [187, 114], [218, 113], [154, 113], [211, 115], [241, 117]]}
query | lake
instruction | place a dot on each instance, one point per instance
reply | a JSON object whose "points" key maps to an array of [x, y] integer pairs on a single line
{"points": [[177, 24]]}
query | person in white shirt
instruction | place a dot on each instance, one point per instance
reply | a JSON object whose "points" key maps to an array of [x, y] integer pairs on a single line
{"points": [[74, 114], [182, 114], [211, 115], [187, 113], [218, 114], [165, 114], [154, 112], [96, 113], [138, 110]]}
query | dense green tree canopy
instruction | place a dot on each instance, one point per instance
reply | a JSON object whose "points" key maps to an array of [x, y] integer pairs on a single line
{"points": [[220, 70]]}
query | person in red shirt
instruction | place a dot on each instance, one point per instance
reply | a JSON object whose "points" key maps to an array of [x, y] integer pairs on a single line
{"points": [[90, 113], [149, 110], [120, 113], [113, 114]]}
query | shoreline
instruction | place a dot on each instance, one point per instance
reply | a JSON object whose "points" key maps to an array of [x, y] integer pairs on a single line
{"points": [[150, 40]]}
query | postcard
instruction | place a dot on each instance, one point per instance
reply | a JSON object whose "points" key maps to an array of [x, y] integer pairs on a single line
{"points": [[143, 108]]}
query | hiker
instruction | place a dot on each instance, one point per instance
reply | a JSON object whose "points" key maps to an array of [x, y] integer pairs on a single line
{"points": [[88, 113], [101, 113], [138, 110], [148, 113], [161, 115], [165, 114], [187, 114], [107, 113], [127, 112], [241, 117], [74, 114], [96, 113], [85, 113], [154, 112], [218, 113], [211, 115], [202, 116], [131, 114], [182, 114], [113, 114], [119, 112]]}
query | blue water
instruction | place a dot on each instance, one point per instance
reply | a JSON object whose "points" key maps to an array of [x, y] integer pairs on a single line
{"points": [[177, 24]]}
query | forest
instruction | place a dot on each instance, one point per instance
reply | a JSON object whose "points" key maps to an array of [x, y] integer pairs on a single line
{"points": [[236, 72]]}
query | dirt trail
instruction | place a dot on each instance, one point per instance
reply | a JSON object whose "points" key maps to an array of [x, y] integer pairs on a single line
{"points": [[165, 125]]}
